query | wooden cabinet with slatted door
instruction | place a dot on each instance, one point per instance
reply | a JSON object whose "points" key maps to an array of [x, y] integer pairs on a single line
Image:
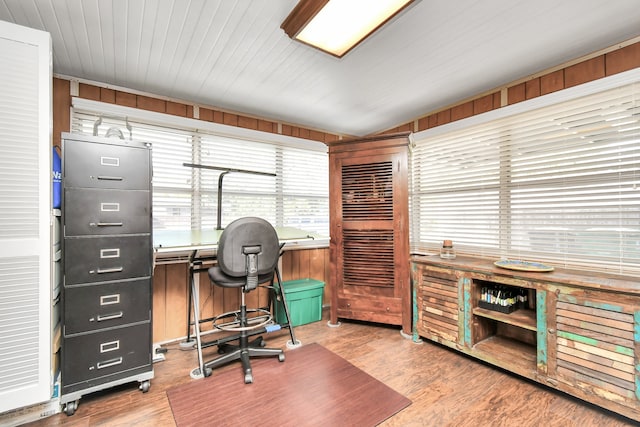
{"points": [[369, 247]]}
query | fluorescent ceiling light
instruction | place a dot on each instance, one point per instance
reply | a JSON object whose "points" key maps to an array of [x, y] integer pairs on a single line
{"points": [[336, 26]]}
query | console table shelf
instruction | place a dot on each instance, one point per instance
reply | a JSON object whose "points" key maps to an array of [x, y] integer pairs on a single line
{"points": [[522, 318], [521, 356]]}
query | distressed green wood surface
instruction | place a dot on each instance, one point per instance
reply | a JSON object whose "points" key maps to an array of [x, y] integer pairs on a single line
{"points": [[593, 342], [636, 335], [595, 304], [414, 300], [541, 315], [468, 324]]}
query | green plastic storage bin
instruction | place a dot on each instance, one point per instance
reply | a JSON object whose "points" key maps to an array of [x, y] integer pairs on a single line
{"points": [[304, 298]]}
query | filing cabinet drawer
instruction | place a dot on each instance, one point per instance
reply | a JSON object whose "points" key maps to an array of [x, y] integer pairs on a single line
{"points": [[106, 166], [100, 212], [97, 259], [106, 305], [101, 354]]}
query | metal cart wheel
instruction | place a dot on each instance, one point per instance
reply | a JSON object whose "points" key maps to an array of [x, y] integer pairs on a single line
{"points": [[71, 407]]}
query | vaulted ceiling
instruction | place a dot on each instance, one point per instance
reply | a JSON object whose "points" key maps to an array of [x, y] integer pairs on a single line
{"points": [[232, 54]]}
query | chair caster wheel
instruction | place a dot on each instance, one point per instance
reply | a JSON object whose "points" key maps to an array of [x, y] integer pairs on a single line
{"points": [[281, 357], [207, 372], [248, 378]]}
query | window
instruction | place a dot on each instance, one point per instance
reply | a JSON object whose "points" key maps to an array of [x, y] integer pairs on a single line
{"points": [[289, 187], [558, 183]]}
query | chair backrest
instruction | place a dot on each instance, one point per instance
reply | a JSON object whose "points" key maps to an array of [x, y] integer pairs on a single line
{"points": [[248, 238]]}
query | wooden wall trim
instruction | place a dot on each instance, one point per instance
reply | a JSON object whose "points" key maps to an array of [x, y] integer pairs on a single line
{"points": [[61, 109], [98, 92], [614, 60], [171, 281]]}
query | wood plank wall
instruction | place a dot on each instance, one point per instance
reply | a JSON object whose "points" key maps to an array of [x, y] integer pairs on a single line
{"points": [[170, 291], [170, 281], [612, 62]]}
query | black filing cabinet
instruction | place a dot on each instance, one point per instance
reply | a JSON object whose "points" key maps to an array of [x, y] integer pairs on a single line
{"points": [[107, 265]]}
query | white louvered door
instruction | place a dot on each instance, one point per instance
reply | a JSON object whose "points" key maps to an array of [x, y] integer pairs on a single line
{"points": [[25, 216]]}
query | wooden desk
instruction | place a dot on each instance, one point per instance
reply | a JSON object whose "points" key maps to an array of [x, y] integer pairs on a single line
{"points": [[184, 245]]}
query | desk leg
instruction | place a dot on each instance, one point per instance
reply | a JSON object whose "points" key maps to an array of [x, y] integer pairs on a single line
{"points": [[188, 343], [293, 343], [198, 372]]}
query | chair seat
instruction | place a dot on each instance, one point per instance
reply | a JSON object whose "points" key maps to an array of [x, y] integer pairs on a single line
{"points": [[218, 277]]}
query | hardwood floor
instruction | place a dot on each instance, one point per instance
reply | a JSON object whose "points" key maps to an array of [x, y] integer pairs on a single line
{"points": [[446, 388]]}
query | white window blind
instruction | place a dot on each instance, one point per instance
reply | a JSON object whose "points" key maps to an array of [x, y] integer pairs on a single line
{"points": [[559, 184], [243, 193], [185, 197]]}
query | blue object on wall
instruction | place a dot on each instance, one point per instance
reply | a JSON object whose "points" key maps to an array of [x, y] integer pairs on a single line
{"points": [[57, 178]]}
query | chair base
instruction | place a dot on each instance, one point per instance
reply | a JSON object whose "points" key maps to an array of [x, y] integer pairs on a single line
{"points": [[261, 322], [243, 352]]}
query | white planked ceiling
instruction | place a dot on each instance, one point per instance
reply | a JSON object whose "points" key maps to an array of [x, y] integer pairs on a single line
{"points": [[232, 54]]}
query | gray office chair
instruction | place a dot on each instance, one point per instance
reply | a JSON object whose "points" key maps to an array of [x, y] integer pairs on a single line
{"points": [[248, 253]]}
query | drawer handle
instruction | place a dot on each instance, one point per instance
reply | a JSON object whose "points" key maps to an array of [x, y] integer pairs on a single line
{"points": [[109, 224], [102, 318], [109, 363], [109, 270], [110, 178]]}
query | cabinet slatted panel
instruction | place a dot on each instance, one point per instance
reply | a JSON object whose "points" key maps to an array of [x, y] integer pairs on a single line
{"points": [[367, 191], [368, 258], [595, 348], [438, 306]]}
